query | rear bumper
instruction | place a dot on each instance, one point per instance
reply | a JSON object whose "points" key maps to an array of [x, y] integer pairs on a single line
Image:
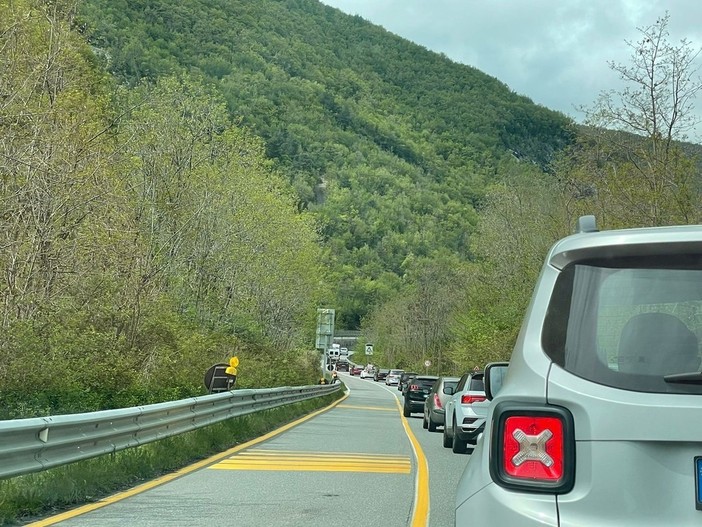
{"points": [[417, 405], [468, 433], [438, 416], [493, 506]]}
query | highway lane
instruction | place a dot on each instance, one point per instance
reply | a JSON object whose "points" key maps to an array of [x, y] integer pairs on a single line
{"points": [[445, 467], [351, 465]]}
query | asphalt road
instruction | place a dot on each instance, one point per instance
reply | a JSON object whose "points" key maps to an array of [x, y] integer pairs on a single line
{"points": [[354, 464]]}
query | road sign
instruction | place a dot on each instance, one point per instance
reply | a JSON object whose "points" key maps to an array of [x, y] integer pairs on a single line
{"points": [[369, 349], [325, 328], [427, 363], [216, 380]]}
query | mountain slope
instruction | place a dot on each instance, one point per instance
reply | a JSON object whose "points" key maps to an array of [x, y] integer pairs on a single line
{"points": [[392, 145]]}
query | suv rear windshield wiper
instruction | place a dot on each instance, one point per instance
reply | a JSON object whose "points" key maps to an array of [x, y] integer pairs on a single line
{"points": [[694, 377]]}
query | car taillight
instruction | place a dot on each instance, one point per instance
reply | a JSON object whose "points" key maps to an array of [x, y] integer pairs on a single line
{"points": [[533, 448], [414, 387], [437, 401], [468, 399]]}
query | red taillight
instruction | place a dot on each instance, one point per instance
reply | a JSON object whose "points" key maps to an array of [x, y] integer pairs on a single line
{"points": [[437, 401], [468, 399], [533, 448]]}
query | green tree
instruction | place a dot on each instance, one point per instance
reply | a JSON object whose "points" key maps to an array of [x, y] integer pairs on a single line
{"points": [[636, 170]]}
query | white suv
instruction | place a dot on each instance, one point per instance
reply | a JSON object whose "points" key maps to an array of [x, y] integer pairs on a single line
{"points": [[598, 420], [462, 423]]}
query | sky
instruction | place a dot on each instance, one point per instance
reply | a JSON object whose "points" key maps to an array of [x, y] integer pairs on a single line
{"points": [[556, 52]]}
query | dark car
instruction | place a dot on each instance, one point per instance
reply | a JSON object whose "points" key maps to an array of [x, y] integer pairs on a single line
{"points": [[342, 366], [404, 378], [380, 374], [434, 411], [417, 390]]}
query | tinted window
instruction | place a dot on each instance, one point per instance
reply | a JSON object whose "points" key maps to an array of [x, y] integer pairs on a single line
{"points": [[451, 384], [628, 324], [476, 384]]}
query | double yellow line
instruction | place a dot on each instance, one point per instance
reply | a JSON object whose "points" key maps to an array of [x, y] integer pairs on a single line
{"points": [[328, 461], [299, 461]]}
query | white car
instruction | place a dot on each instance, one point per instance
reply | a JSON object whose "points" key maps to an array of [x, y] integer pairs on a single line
{"points": [[393, 377], [367, 374]]}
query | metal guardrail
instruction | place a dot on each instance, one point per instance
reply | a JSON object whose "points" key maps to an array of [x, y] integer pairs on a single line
{"points": [[36, 444]]}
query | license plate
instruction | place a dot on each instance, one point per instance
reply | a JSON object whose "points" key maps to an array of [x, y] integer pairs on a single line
{"points": [[698, 483]]}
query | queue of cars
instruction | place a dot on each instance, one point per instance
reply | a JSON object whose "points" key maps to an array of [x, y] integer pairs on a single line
{"points": [[456, 404]]}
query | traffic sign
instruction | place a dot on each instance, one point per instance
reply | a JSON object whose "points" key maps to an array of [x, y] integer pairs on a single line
{"points": [[369, 349], [217, 380], [427, 363]]}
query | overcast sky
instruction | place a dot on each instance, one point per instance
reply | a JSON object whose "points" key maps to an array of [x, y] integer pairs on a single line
{"points": [[553, 51]]}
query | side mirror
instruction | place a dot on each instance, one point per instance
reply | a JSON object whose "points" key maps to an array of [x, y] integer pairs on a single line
{"points": [[494, 375], [448, 390]]}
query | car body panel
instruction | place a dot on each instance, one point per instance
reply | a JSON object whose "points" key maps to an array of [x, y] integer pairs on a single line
{"points": [[393, 377], [634, 449], [432, 413], [404, 378], [342, 366], [461, 418], [381, 374], [367, 373], [478, 508], [417, 391]]}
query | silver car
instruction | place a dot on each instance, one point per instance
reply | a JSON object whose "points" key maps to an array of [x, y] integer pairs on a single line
{"points": [[393, 377], [597, 421]]}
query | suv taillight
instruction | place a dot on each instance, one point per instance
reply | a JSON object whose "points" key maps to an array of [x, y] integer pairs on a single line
{"points": [[437, 401], [468, 399], [533, 448]]}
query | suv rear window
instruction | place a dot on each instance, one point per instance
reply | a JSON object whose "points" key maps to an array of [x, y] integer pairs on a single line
{"points": [[628, 323], [476, 384], [424, 383]]}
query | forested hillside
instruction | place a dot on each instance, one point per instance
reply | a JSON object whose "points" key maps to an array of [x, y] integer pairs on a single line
{"points": [[183, 181], [144, 237], [390, 145]]}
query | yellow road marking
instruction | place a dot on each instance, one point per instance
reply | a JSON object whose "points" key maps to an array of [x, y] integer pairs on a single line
{"points": [[420, 512], [182, 472], [309, 468], [355, 407], [313, 461], [259, 452]]}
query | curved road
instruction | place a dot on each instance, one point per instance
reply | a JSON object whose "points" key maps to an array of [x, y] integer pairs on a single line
{"points": [[357, 463]]}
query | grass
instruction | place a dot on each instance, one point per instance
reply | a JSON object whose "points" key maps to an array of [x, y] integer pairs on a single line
{"points": [[28, 498]]}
